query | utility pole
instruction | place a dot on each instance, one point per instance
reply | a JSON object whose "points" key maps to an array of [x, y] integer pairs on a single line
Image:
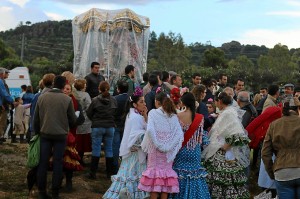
{"points": [[22, 47]]}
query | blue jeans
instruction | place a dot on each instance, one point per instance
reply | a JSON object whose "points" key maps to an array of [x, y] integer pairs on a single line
{"points": [[107, 134], [56, 148], [116, 146], [288, 189]]}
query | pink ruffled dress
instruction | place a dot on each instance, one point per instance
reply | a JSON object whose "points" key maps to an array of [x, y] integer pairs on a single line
{"points": [[159, 175], [162, 141]]}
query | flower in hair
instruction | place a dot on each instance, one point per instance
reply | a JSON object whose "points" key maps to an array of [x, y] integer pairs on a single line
{"points": [[210, 100], [184, 90], [138, 92], [158, 90], [175, 94]]}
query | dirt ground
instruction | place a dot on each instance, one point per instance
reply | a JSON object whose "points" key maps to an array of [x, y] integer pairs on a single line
{"points": [[13, 174], [13, 177]]}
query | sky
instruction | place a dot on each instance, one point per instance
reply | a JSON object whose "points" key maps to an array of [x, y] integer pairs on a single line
{"points": [[257, 22]]}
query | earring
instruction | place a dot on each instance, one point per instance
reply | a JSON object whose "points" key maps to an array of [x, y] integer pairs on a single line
{"points": [[183, 108]]}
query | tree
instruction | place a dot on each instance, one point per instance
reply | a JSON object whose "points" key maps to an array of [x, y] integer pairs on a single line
{"points": [[151, 47], [28, 23], [232, 49], [214, 57], [172, 53]]}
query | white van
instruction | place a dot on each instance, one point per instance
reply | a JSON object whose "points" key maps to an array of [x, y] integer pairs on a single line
{"points": [[17, 77]]}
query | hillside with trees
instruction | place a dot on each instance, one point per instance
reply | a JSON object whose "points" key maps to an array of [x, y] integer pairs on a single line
{"points": [[48, 47]]}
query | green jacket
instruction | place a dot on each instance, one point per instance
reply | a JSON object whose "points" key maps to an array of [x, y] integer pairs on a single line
{"points": [[131, 86]]}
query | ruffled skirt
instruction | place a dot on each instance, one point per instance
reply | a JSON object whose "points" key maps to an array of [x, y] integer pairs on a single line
{"points": [[191, 174], [226, 179], [159, 180], [125, 183], [159, 175]]}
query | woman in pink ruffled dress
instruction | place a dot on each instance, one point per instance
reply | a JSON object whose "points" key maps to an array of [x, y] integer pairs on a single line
{"points": [[162, 141]]}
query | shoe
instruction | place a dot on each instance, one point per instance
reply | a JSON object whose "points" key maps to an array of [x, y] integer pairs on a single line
{"points": [[3, 139]]}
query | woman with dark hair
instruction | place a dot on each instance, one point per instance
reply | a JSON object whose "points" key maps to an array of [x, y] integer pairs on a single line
{"points": [[199, 91], [227, 155], [101, 112], [125, 182], [283, 139], [162, 141], [187, 163]]}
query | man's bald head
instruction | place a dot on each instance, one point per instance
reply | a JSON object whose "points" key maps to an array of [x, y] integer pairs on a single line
{"points": [[243, 96], [229, 91]]}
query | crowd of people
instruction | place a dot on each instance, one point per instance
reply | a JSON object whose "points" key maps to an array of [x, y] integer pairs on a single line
{"points": [[160, 139]]}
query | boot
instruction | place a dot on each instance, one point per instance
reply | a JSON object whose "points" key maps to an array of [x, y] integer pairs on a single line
{"points": [[115, 165], [69, 176], [13, 138], [22, 141], [109, 166], [94, 168]]}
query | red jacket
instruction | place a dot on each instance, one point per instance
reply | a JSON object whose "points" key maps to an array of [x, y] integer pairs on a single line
{"points": [[257, 129]]}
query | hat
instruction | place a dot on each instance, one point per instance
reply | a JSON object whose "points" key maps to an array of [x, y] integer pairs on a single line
{"points": [[289, 85]]}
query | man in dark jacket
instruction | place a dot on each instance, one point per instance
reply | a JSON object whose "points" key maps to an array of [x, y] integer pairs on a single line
{"points": [[122, 98], [93, 80], [54, 115], [150, 97]]}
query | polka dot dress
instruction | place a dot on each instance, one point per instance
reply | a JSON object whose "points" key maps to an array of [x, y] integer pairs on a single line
{"points": [[191, 174]]}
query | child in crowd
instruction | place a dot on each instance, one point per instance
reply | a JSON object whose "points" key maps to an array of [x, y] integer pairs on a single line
{"points": [[19, 119], [162, 141]]}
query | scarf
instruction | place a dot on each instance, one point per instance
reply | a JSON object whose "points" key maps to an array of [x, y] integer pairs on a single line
{"points": [[163, 133], [191, 136], [228, 125]]}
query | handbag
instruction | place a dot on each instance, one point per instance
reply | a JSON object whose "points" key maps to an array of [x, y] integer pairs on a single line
{"points": [[33, 154]]}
